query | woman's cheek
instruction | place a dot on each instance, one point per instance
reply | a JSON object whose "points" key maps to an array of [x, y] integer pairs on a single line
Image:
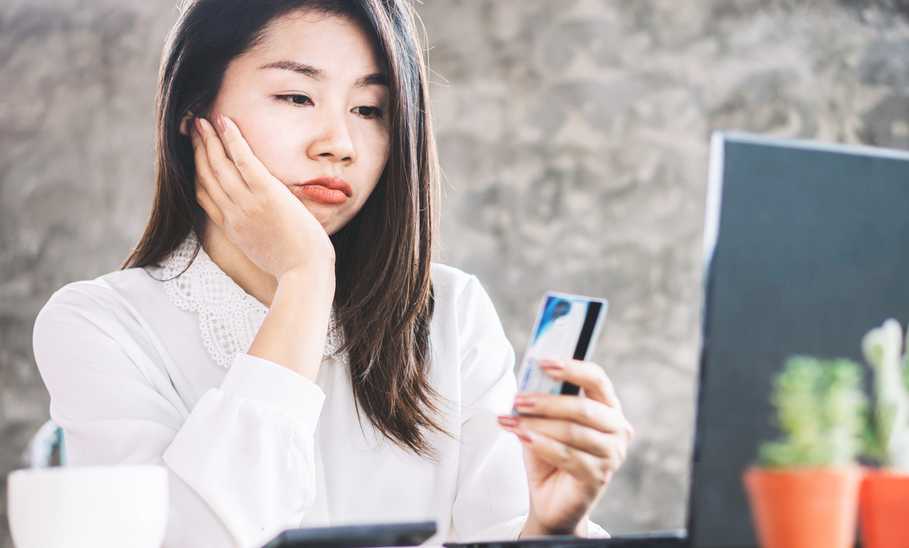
{"points": [[268, 145], [379, 145]]}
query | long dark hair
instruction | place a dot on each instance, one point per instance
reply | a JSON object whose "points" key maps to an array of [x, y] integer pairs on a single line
{"points": [[384, 297]]}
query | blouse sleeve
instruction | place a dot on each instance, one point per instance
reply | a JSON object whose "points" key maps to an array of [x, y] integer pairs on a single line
{"points": [[240, 463], [492, 500]]}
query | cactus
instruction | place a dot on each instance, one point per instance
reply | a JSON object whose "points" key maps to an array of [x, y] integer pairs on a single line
{"points": [[821, 410], [883, 347]]}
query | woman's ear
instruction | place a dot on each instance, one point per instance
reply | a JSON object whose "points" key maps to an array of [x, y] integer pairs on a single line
{"points": [[184, 123]]}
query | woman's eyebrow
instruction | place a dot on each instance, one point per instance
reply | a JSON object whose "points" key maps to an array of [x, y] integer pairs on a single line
{"points": [[375, 79]]}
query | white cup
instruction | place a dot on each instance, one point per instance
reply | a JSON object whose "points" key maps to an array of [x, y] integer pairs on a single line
{"points": [[91, 506]]}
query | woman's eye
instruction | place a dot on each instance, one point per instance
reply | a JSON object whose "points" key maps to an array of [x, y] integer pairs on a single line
{"points": [[295, 99], [369, 112]]}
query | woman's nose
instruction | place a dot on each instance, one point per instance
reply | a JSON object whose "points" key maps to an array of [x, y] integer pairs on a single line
{"points": [[333, 141]]}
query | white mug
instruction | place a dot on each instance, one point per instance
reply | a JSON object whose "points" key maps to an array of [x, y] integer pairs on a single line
{"points": [[91, 506]]}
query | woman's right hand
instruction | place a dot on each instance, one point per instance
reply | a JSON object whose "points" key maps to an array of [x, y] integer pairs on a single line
{"points": [[257, 212]]}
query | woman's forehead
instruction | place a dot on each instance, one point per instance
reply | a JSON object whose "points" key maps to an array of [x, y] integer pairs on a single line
{"points": [[333, 46]]}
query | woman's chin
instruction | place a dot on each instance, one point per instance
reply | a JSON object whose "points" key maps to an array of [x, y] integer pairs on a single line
{"points": [[331, 225]]}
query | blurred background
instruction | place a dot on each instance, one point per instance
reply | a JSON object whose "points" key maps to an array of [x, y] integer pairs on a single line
{"points": [[573, 136]]}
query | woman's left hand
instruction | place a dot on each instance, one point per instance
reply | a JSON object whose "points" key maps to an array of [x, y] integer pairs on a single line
{"points": [[572, 447]]}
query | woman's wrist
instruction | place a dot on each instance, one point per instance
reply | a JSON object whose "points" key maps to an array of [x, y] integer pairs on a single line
{"points": [[318, 274], [295, 330], [533, 528]]}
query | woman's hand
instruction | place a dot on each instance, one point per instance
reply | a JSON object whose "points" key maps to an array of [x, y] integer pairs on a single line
{"points": [[256, 211], [572, 447]]}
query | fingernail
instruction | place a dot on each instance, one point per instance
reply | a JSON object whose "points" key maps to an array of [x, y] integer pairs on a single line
{"points": [[197, 122], [523, 401], [507, 420], [551, 365], [523, 436], [220, 120]]}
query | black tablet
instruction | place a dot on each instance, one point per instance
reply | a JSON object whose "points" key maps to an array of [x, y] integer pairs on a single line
{"points": [[373, 534], [657, 539]]}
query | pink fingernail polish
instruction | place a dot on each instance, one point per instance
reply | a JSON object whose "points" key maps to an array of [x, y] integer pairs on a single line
{"points": [[523, 401], [551, 365], [219, 119], [507, 420]]}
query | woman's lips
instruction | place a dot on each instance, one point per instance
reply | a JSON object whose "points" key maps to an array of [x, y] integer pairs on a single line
{"points": [[319, 193], [325, 190]]}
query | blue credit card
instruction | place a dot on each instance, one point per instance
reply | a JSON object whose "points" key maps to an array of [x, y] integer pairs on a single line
{"points": [[567, 327]]}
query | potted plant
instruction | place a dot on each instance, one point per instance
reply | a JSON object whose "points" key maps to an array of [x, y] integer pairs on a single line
{"points": [[804, 489], [884, 499]]}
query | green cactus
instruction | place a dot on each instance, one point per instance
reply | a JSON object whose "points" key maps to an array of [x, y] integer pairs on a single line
{"points": [[821, 412], [883, 349]]}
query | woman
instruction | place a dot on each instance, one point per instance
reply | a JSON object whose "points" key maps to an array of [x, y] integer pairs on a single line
{"points": [[279, 339]]}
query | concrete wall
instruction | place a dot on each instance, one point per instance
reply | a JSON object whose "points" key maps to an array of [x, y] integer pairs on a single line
{"points": [[573, 136]]}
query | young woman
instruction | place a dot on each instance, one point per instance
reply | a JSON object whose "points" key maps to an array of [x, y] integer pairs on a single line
{"points": [[279, 339]]}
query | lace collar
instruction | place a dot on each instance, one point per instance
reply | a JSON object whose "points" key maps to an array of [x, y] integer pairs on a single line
{"points": [[229, 318]]}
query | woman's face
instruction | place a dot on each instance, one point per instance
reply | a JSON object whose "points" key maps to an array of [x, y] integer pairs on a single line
{"points": [[311, 101]]}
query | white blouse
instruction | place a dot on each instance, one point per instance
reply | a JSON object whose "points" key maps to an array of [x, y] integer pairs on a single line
{"points": [[145, 371]]}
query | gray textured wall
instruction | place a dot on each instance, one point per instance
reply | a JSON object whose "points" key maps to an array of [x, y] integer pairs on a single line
{"points": [[573, 136]]}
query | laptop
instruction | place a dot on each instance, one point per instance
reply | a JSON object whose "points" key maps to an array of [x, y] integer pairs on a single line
{"points": [[806, 248]]}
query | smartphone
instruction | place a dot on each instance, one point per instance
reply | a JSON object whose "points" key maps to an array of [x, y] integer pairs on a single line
{"points": [[567, 327], [370, 534]]}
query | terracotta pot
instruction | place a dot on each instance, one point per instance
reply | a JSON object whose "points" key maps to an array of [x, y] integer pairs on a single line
{"points": [[804, 508], [884, 508]]}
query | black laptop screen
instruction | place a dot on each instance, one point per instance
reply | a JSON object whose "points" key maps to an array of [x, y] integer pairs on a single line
{"points": [[811, 251]]}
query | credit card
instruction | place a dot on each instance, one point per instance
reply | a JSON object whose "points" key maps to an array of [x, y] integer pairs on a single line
{"points": [[566, 327]]}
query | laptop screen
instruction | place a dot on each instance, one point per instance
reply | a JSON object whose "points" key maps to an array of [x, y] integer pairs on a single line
{"points": [[808, 248]]}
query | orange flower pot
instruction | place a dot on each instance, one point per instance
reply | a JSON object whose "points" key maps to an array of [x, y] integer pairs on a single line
{"points": [[804, 508], [884, 508]]}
